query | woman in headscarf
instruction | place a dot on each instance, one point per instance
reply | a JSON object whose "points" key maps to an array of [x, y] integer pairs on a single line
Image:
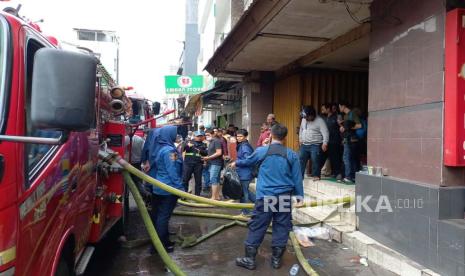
{"points": [[165, 166]]}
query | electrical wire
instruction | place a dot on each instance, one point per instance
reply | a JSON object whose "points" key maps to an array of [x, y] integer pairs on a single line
{"points": [[358, 2], [352, 15]]}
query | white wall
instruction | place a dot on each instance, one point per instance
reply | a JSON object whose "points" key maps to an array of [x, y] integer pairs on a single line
{"points": [[222, 21], [108, 53], [214, 25]]}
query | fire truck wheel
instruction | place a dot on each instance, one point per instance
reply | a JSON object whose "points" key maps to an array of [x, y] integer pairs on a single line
{"points": [[63, 268]]}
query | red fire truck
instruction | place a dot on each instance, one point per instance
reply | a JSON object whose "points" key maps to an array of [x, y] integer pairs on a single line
{"points": [[57, 109]]}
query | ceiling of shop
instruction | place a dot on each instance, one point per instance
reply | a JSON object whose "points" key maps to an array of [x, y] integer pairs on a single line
{"points": [[301, 27], [351, 57], [269, 54]]}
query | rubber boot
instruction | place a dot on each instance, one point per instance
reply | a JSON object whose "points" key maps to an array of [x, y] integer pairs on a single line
{"points": [[169, 246], [249, 260], [277, 253]]}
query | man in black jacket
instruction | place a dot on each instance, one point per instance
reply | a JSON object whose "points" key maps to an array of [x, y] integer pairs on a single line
{"points": [[193, 152], [335, 148]]}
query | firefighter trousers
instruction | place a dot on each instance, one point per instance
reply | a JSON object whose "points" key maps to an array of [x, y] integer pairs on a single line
{"points": [[196, 169]]}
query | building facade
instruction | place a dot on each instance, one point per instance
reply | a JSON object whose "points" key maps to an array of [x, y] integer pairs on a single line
{"points": [[191, 50], [388, 59], [223, 100], [104, 44]]}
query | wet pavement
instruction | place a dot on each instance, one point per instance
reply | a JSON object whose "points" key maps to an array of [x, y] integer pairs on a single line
{"points": [[216, 255]]}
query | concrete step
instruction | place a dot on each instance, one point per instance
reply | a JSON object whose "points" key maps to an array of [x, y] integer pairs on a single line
{"points": [[338, 229], [383, 256], [323, 190], [327, 188], [337, 219], [317, 214], [342, 223], [327, 213]]}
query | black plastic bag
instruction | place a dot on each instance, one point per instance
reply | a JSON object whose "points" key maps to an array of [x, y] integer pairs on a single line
{"points": [[232, 187]]}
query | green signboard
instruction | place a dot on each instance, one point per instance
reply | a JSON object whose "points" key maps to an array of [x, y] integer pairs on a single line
{"points": [[183, 84]]}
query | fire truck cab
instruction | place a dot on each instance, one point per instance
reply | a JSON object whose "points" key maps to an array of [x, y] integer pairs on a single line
{"points": [[56, 112]]}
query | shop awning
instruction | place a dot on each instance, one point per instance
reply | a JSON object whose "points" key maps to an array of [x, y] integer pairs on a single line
{"points": [[275, 34], [214, 98], [224, 93], [194, 104]]}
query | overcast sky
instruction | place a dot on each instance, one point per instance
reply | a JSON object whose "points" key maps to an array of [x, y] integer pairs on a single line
{"points": [[151, 33]]}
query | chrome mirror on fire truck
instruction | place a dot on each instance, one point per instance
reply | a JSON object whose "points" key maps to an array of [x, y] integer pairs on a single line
{"points": [[63, 90]]}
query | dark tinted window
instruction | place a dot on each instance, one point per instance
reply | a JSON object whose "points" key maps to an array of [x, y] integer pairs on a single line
{"points": [[35, 153], [86, 35], [4, 52]]}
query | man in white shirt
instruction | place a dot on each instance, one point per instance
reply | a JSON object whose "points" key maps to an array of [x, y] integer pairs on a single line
{"points": [[313, 140], [136, 151], [136, 156]]}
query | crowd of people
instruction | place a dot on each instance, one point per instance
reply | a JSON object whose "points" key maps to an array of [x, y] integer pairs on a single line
{"points": [[164, 157], [204, 154], [334, 139]]}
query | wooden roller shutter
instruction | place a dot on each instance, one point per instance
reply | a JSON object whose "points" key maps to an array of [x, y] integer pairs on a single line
{"points": [[326, 86], [286, 107]]}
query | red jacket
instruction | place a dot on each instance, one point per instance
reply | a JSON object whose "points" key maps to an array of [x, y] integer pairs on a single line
{"points": [[263, 136]]}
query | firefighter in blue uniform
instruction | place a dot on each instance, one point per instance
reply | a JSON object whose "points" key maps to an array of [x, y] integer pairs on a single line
{"points": [[279, 178], [165, 165]]}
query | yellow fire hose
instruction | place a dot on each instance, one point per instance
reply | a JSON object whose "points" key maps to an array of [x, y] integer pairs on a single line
{"points": [[150, 228], [300, 256], [200, 239], [210, 215], [177, 192], [315, 203], [161, 250], [243, 224], [214, 232], [346, 199], [116, 158], [194, 204]]}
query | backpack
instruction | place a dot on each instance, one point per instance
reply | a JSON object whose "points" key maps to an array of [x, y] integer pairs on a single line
{"points": [[360, 132], [273, 149]]}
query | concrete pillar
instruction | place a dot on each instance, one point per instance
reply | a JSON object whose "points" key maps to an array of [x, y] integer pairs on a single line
{"points": [[405, 137], [257, 103]]}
